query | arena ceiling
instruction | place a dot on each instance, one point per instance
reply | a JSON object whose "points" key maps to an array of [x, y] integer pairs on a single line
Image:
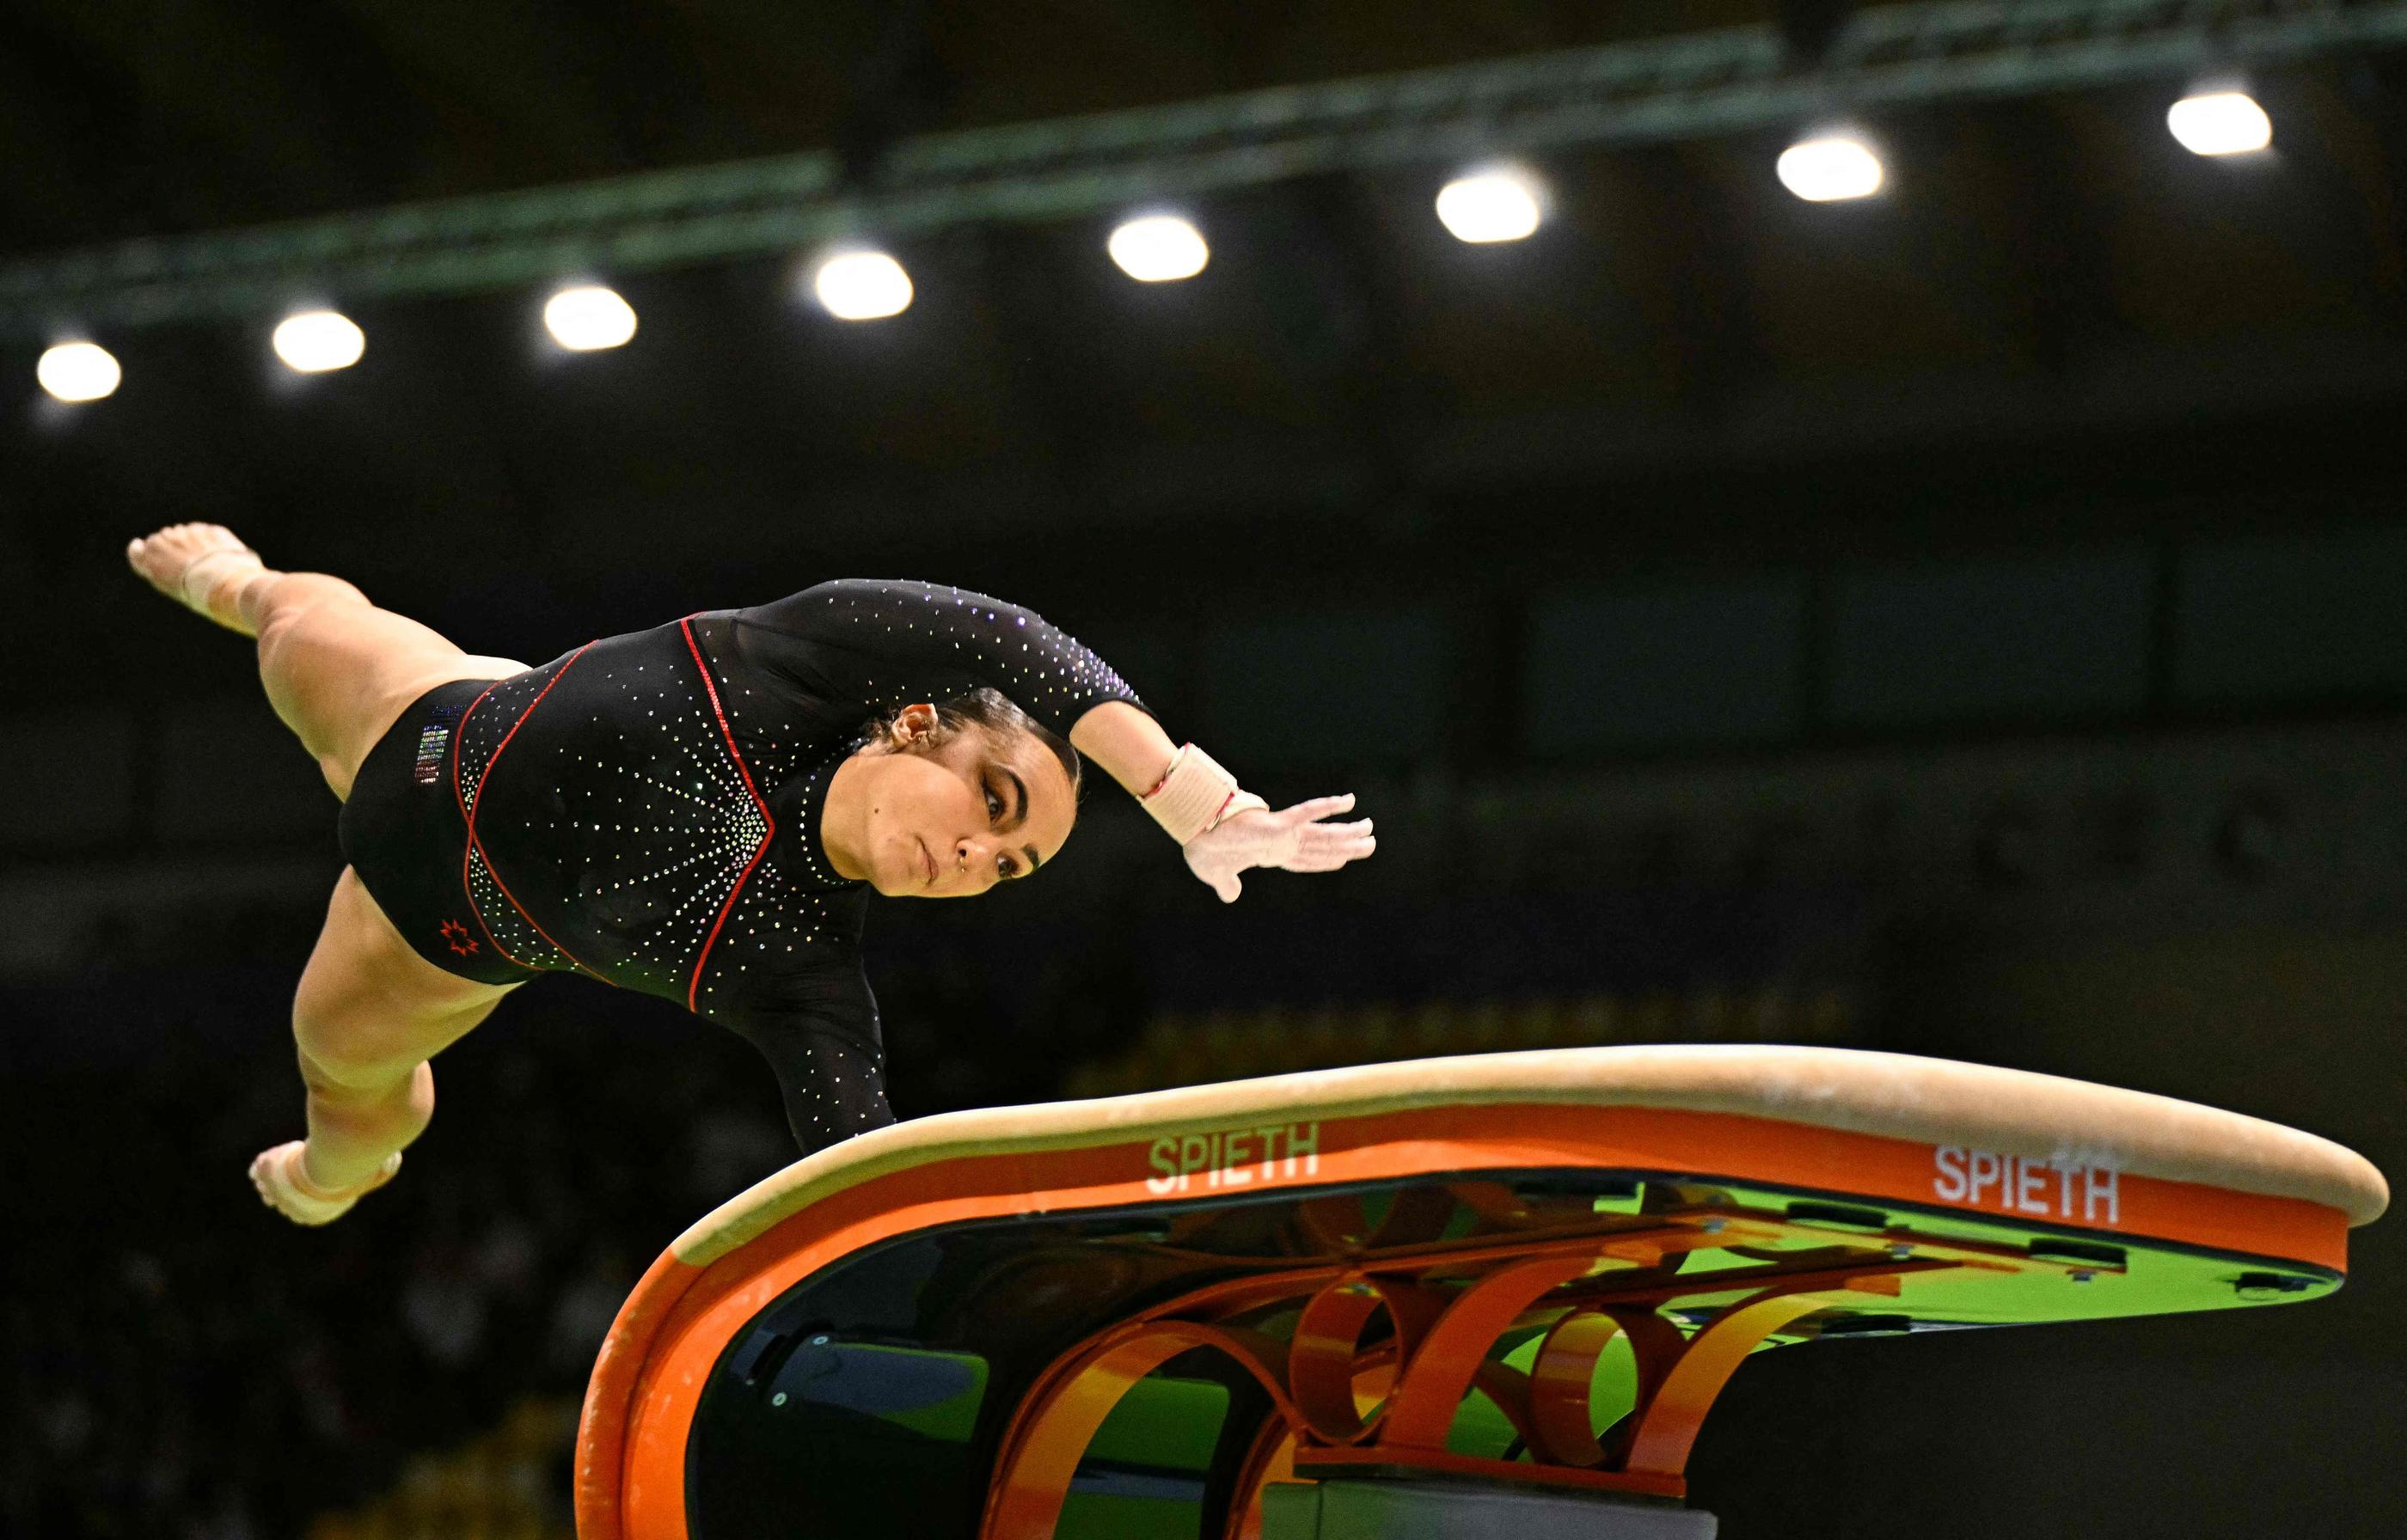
{"points": [[152, 115], [2052, 295]]}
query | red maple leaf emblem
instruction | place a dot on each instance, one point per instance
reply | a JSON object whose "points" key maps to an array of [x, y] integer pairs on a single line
{"points": [[457, 934]]}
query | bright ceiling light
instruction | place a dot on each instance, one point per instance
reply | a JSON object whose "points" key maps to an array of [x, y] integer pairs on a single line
{"points": [[589, 318], [1826, 170], [862, 286], [1158, 249], [1490, 206], [316, 341], [2228, 123], [78, 370]]}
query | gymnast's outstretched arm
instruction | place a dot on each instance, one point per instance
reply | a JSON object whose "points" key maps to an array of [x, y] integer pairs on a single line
{"points": [[893, 640], [1242, 831]]}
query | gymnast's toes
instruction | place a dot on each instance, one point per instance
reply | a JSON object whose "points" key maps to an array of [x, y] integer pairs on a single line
{"points": [[199, 566]]}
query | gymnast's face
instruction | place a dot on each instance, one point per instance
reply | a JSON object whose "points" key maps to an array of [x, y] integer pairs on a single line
{"points": [[953, 820]]}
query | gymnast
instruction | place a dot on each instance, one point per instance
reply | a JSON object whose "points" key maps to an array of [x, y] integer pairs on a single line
{"points": [[698, 812]]}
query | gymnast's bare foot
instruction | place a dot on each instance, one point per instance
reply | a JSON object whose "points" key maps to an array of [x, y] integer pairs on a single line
{"points": [[284, 1186], [203, 567]]}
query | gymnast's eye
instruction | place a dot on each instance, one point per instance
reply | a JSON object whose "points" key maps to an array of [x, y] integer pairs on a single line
{"points": [[993, 800], [1007, 866]]}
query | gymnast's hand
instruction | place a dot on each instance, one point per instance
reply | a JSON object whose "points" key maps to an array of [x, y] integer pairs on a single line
{"points": [[1292, 841]]}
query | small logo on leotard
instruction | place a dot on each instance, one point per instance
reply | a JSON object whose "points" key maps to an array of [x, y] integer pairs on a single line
{"points": [[457, 934], [431, 737]]}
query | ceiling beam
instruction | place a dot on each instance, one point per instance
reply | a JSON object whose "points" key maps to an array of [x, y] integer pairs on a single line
{"points": [[1689, 85]]}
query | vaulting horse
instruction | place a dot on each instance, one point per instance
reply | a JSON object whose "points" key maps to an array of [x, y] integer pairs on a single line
{"points": [[1444, 1299]]}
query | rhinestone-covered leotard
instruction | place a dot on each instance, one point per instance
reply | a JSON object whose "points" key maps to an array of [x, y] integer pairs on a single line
{"points": [[645, 810]]}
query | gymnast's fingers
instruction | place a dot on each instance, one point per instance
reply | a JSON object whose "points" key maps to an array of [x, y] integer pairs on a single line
{"points": [[1318, 807], [1327, 855]]}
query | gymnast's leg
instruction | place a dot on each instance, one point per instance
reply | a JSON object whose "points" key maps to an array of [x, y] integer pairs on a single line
{"points": [[370, 1011], [337, 670], [368, 1015]]}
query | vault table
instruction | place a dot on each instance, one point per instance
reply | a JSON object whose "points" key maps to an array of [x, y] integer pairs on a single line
{"points": [[1447, 1299]]}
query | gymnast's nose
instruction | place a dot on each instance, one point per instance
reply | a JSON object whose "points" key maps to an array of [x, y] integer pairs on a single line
{"points": [[975, 855]]}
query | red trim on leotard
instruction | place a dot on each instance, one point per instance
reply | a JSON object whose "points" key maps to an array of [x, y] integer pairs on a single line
{"points": [[459, 747], [693, 985], [476, 847]]}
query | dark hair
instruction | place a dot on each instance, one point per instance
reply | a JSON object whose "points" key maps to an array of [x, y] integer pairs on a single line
{"points": [[999, 717]]}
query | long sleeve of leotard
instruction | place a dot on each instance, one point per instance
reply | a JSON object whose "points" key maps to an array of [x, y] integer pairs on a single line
{"points": [[819, 1030], [890, 643]]}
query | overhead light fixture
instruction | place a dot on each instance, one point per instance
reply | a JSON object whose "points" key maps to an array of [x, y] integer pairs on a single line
{"points": [[78, 370], [1158, 249], [589, 318], [316, 341], [1501, 205], [2223, 122], [862, 286], [1829, 169]]}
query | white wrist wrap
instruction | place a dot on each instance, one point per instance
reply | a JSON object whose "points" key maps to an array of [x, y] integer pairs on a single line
{"points": [[1194, 794]]}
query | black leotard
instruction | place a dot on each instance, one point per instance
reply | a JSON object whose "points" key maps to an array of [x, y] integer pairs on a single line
{"points": [[645, 810]]}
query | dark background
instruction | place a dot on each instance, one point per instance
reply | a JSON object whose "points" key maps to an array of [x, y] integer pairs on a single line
{"points": [[1965, 622]]}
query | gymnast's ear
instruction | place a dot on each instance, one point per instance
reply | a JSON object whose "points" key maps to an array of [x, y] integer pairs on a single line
{"points": [[915, 729]]}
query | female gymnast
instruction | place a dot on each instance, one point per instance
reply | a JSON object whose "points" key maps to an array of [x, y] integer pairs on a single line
{"points": [[698, 812]]}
